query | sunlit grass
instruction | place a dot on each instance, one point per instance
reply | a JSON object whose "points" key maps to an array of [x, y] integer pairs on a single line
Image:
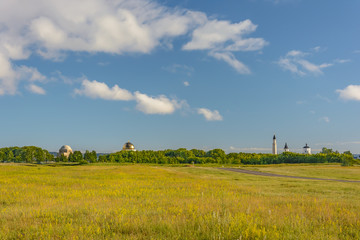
{"points": [[317, 171], [159, 202]]}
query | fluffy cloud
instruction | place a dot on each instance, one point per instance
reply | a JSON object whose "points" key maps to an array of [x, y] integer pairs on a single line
{"points": [[145, 103], [95, 89], [51, 28], [214, 34], [210, 115], [222, 38], [295, 62], [155, 105], [351, 92], [10, 76]]}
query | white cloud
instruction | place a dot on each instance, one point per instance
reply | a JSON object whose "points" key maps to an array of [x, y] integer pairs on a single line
{"points": [[210, 115], [156, 105], [324, 119], [229, 58], [186, 83], [214, 34], [296, 53], [36, 89], [295, 62], [221, 38], [95, 89], [52, 28], [145, 103], [7, 76], [351, 92], [30, 74], [11, 75]]}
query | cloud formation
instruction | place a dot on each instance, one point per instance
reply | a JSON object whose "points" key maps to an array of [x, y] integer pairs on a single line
{"points": [[210, 115], [146, 104], [229, 58], [156, 105], [351, 92], [36, 89], [52, 28], [221, 38], [95, 89], [295, 62]]}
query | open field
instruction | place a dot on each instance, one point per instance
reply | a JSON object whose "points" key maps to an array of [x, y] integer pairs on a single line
{"points": [[316, 171], [163, 202]]}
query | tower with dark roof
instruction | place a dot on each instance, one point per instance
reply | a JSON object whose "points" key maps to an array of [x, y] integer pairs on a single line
{"points": [[286, 148], [307, 149], [274, 146]]}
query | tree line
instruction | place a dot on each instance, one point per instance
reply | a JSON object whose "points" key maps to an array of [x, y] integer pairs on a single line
{"points": [[31, 154]]}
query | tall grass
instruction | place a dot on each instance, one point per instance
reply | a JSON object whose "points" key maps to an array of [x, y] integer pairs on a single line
{"points": [[144, 202]]}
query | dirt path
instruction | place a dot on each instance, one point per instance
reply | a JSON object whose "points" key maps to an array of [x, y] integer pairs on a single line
{"points": [[285, 176]]}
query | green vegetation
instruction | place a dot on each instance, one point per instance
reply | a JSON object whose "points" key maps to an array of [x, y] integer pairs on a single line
{"points": [[179, 156], [218, 156], [28, 154], [138, 201]]}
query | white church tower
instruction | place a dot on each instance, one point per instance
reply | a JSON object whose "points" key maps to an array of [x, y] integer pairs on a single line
{"points": [[274, 146], [286, 148], [307, 149]]}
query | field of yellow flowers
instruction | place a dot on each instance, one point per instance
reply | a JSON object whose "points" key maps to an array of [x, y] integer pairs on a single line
{"points": [[163, 202]]}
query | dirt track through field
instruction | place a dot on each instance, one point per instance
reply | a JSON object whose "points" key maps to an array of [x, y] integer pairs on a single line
{"points": [[285, 176]]}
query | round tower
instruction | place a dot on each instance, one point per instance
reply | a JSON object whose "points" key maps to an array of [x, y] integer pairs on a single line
{"points": [[274, 146]]}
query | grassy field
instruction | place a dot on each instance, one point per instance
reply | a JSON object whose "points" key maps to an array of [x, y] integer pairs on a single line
{"points": [[317, 171], [163, 202]]}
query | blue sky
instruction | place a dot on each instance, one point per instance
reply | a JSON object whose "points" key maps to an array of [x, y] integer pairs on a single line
{"points": [[94, 74]]}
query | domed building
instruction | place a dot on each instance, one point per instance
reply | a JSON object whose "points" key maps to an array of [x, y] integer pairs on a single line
{"points": [[129, 147], [65, 151]]}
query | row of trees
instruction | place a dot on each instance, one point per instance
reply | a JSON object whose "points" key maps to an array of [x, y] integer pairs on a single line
{"points": [[28, 154], [218, 156], [33, 154]]}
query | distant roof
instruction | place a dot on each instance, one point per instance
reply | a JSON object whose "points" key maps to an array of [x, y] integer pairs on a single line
{"points": [[286, 146], [274, 137], [128, 146], [306, 146], [65, 147]]}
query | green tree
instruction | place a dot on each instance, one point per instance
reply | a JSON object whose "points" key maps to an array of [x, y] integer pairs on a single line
{"points": [[10, 156], [326, 150]]}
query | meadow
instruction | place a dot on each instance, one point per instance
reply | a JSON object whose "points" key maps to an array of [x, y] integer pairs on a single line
{"points": [[138, 201]]}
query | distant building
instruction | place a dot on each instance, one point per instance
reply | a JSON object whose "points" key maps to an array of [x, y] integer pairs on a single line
{"points": [[65, 151], [129, 147], [307, 149], [286, 148], [356, 156], [274, 146]]}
